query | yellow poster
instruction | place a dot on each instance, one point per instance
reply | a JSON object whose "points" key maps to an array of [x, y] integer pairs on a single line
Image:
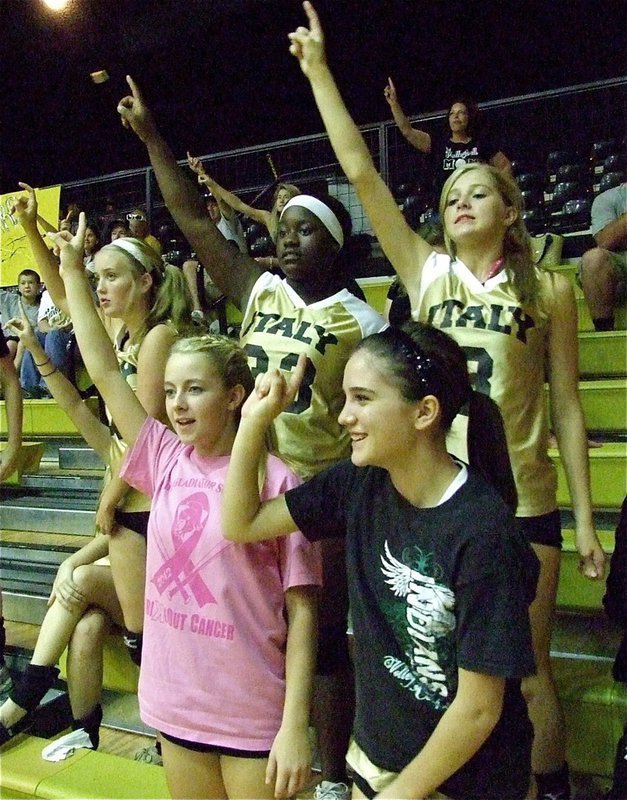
{"points": [[15, 254]]}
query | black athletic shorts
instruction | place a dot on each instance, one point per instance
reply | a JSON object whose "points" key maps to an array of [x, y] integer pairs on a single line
{"points": [[133, 520], [199, 747], [544, 529]]}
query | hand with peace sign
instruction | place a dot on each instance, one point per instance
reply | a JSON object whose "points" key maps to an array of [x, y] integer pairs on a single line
{"points": [[135, 113]]}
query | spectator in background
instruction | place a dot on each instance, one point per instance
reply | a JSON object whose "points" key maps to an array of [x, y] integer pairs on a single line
{"points": [[118, 229], [282, 194], [603, 269], [29, 290], [54, 332], [93, 243], [139, 228], [461, 145], [205, 293]]}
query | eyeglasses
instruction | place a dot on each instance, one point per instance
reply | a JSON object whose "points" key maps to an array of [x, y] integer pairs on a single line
{"points": [[138, 217]]}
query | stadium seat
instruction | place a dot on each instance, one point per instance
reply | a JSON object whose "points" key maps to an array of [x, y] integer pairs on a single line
{"points": [[563, 191], [535, 220], [530, 180], [557, 159], [412, 207], [253, 231], [602, 149], [533, 196], [616, 162], [609, 180], [574, 172], [262, 246], [575, 215]]}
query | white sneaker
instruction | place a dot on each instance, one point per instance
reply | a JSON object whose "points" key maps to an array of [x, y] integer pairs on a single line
{"points": [[327, 790], [149, 755]]}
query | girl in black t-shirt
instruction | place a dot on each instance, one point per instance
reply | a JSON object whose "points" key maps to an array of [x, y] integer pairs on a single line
{"points": [[440, 578]]}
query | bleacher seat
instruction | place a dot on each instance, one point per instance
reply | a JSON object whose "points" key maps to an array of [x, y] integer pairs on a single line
{"points": [[412, 207], [615, 162], [262, 246], [602, 149], [535, 220], [562, 192], [556, 159], [609, 180], [573, 172], [575, 215], [530, 180]]}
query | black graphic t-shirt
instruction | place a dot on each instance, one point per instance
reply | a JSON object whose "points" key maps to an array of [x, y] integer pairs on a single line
{"points": [[447, 156], [431, 590]]}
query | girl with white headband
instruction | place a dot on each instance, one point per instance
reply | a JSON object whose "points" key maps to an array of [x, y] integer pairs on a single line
{"points": [[149, 303], [309, 311]]}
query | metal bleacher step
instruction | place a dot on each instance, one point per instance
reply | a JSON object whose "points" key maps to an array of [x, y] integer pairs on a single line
{"points": [[608, 475], [79, 458], [59, 514], [604, 403], [603, 354]]}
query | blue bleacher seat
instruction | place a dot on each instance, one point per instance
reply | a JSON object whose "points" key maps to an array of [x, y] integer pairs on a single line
{"points": [[609, 180]]}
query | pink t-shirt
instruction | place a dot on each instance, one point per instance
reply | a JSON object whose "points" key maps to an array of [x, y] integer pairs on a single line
{"points": [[213, 658]]}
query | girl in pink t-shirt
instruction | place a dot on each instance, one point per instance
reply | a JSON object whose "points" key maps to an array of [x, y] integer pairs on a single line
{"points": [[229, 630]]}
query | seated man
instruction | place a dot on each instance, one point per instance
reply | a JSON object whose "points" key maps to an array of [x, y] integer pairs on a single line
{"points": [[204, 293], [54, 332], [603, 269]]}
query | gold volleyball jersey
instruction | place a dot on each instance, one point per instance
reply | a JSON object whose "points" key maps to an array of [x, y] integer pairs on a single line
{"points": [[277, 327], [506, 345]]}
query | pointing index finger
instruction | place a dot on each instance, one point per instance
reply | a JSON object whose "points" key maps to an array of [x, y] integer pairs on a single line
{"points": [[314, 20], [134, 88]]}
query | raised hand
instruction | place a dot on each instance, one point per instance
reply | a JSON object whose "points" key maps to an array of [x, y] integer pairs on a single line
{"points": [[196, 165], [21, 327], [273, 393], [135, 113], [71, 248], [25, 207], [390, 92], [307, 44]]}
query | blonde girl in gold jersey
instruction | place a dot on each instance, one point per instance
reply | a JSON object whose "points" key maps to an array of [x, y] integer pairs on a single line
{"points": [[517, 325]]}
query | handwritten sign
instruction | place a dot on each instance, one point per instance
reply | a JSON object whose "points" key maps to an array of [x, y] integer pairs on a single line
{"points": [[15, 254]]}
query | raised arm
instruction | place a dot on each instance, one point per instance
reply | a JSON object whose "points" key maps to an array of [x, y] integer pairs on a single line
{"points": [[421, 140], [569, 425], [224, 197], [233, 272], [10, 383], [95, 346], [25, 209], [92, 430], [406, 251], [244, 517]]}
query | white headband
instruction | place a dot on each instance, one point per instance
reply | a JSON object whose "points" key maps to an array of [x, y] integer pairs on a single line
{"points": [[320, 210], [137, 249]]}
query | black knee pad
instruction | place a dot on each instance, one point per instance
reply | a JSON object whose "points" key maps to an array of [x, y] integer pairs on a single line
{"points": [[91, 725], [33, 685]]}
